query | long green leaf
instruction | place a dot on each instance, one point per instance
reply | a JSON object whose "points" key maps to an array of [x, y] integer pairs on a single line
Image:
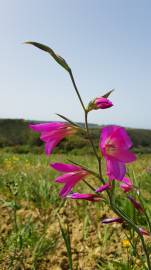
{"points": [[68, 120], [66, 237], [47, 49]]}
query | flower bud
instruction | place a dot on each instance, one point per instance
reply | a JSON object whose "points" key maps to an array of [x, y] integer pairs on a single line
{"points": [[111, 220], [99, 103], [103, 103], [144, 232]]}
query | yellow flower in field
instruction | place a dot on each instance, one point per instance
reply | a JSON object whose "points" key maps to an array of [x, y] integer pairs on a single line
{"points": [[126, 243]]}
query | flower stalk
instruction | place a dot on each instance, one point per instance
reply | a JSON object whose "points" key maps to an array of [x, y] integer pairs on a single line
{"points": [[115, 209], [76, 89], [115, 147]]}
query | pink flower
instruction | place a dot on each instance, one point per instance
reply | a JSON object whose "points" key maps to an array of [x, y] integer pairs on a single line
{"points": [[136, 204], [73, 174], [111, 220], [88, 197], [53, 133], [115, 144], [102, 103], [126, 185], [99, 103], [103, 187]]}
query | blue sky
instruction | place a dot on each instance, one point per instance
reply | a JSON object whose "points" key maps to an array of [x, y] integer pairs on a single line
{"points": [[106, 43]]}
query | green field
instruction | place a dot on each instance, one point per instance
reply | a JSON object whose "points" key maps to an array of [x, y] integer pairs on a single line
{"points": [[30, 236]]}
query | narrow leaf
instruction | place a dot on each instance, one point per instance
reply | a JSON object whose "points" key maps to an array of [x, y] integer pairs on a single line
{"points": [[66, 237], [68, 120], [47, 49], [85, 168], [108, 94]]}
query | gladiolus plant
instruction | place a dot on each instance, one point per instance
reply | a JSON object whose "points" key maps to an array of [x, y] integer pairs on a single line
{"points": [[114, 147]]}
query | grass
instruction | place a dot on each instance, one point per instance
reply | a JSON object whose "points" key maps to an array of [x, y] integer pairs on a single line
{"points": [[30, 235]]}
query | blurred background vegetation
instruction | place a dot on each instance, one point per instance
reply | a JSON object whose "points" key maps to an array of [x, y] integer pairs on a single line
{"points": [[16, 137]]}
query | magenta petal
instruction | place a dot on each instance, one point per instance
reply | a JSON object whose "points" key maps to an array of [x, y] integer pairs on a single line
{"points": [[66, 189], [120, 138], [115, 144], [53, 135], [62, 167], [45, 136], [70, 180], [126, 185], [103, 103], [72, 176], [111, 220], [103, 187], [115, 169], [49, 146], [105, 134], [127, 181], [89, 197], [123, 155], [46, 127], [115, 136]]}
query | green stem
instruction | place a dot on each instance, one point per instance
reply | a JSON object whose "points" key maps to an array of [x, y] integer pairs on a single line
{"points": [[135, 228], [76, 89], [90, 186], [88, 134], [125, 217], [116, 210], [145, 212], [84, 168]]}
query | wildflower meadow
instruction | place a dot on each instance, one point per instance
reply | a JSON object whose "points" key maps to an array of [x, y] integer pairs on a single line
{"points": [[76, 212]]}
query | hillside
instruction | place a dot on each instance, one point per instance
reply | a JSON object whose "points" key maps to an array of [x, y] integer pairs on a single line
{"points": [[16, 135]]}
